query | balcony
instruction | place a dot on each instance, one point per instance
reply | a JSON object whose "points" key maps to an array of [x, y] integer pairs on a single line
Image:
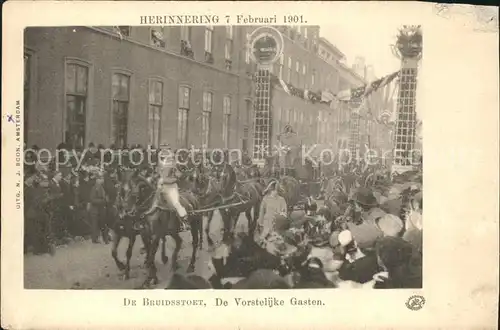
{"points": [[209, 58], [186, 49]]}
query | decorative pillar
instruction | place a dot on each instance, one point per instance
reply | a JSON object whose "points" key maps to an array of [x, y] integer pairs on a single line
{"points": [[266, 46], [409, 49], [262, 119], [354, 123]]}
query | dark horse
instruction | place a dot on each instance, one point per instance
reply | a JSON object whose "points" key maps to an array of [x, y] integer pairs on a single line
{"points": [[134, 197], [246, 194], [194, 193]]}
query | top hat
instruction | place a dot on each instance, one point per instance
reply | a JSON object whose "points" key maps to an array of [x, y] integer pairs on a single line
{"points": [[365, 197]]}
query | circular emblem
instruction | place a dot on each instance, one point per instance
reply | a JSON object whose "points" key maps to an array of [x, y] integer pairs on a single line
{"points": [[266, 45], [415, 302]]}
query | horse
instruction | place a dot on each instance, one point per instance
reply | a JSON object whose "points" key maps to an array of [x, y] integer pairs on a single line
{"points": [[163, 221], [134, 196], [247, 193]]}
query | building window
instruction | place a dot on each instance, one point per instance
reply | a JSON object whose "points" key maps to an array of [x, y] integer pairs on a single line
{"points": [[282, 62], [76, 104], [228, 48], [297, 71], [186, 33], [313, 77], [287, 117], [205, 119], [27, 94], [279, 119], [304, 74], [186, 48], [209, 31], [319, 129], [123, 31], [289, 73], [246, 127], [157, 37], [154, 111], [226, 121], [305, 32], [121, 99], [247, 50], [182, 116]]}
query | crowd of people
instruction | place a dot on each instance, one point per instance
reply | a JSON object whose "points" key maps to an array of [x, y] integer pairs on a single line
{"points": [[374, 240], [370, 236], [72, 194]]}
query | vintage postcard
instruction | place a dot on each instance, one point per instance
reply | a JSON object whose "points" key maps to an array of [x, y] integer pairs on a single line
{"points": [[161, 160]]}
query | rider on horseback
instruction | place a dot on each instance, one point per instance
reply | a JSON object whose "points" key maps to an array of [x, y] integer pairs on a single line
{"points": [[167, 185]]}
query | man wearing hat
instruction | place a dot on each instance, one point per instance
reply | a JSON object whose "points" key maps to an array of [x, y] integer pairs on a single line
{"points": [[97, 212], [366, 211], [167, 184], [357, 266], [57, 205]]}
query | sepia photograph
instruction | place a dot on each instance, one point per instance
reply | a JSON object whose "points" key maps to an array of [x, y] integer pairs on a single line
{"points": [[195, 157], [230, 166]]}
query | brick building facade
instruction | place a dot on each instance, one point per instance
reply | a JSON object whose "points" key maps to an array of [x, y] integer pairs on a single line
{"points": [[178, 85]]}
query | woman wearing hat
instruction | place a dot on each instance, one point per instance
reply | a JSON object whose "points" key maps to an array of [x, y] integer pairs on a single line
{"points": [[272, 205]]}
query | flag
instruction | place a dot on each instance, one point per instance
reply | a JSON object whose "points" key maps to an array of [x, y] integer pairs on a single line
{"points": [[327, 96], [284, 86], [344, 95]]}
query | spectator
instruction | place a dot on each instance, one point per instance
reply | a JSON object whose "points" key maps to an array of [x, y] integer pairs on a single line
{"points": [[92, 155], [390, 225], [401, 261], [98, 201], [357, 266], [364, 229], [57, 205], [313, 276]]}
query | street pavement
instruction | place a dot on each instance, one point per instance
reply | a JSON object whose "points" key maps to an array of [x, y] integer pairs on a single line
{"points": [[84, 265]]}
